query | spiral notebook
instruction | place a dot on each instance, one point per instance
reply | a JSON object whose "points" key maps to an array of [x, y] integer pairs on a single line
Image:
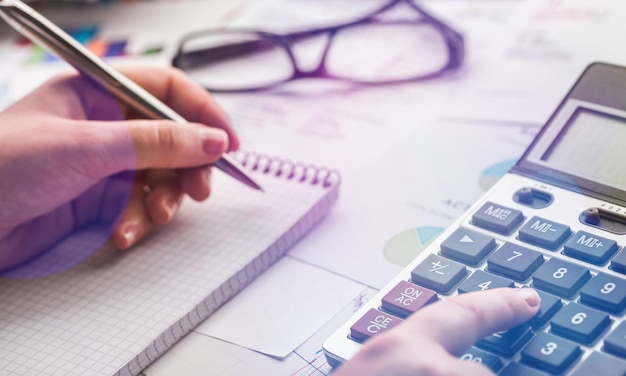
{"points": [[117, 312]]}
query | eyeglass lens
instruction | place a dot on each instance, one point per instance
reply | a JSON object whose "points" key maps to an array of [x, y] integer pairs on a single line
{"points": [[382, 52], [235, 61], [369, 52]]}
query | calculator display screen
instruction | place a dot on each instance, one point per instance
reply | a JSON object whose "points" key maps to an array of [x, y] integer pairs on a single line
{"points": [[593, 146]]}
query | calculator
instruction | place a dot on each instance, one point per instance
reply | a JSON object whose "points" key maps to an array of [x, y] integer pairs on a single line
{"points": [[556, 221]]}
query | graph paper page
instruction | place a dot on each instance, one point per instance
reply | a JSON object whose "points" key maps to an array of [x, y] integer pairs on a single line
{"points": [[95, 318]]}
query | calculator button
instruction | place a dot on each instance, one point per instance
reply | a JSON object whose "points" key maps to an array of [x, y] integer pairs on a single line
{"points": [[468, 246], [406, 298], [507, 342], [480, 281], [550, 304], [616, 341], [560, 277], [516, 369], [514, 261], [599, 364], [372, 323], [590, 248], [497, 218], [476, 355], [619, 262], [605, 292], [579, 323], [550, 353], [544, 233], [438, 273]]}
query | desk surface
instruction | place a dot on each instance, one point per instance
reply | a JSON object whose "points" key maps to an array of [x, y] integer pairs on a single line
{"points": [[522, 58]]}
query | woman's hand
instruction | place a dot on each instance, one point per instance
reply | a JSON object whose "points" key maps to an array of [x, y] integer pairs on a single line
{"points": [[429, 342], [71, 155]]}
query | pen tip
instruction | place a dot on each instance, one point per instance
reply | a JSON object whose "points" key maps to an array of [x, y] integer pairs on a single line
{"points": [[258, 187]]}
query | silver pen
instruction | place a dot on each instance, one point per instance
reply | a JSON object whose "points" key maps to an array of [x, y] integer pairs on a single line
{"points": [[42, 31]]}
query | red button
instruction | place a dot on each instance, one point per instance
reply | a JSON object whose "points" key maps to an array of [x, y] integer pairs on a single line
{"points": [[372, 323], [406, 298]]}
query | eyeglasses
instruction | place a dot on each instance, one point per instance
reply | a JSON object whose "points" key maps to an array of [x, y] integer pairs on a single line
{"points": [[369, 51]]}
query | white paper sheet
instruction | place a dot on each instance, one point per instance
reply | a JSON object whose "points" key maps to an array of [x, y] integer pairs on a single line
{"points": [[282, 308], [535, 58], [200, 355]]}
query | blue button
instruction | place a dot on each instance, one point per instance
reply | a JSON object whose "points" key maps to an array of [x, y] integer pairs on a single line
{"points": [[467, 246], [544, 233], [497, 218], [438, 273], [616, 341], [598, 364], [477, 355], [579, 323], [516, 369], [619, 262], [590, 248], [480, 281], [560, 277], [514, 261], [507, 342], [605, 292], [550, 353], [550, 304]]}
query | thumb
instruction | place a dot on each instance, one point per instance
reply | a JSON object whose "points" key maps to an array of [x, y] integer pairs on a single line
{"points": [[141, 144]]}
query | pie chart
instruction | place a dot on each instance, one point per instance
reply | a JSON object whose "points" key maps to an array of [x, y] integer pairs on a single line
{"points": [[402, 248]]}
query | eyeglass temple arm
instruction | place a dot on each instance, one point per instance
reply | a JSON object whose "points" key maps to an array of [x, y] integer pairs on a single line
{"points": [[210, 55], [217, 54]]}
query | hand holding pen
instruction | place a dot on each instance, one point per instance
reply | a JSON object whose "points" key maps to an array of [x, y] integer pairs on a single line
{"points": [[68, 148]]}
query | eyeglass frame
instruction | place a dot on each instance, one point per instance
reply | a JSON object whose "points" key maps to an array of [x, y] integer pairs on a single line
{"points": [[453, 39]]}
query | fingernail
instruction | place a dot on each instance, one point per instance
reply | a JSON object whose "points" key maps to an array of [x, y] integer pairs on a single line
{"points": [[214, 141], [172, 206], [530, 296], [130, 234]]}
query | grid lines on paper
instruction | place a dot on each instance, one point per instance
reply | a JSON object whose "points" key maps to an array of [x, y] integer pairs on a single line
{"points": [[96, 317]]}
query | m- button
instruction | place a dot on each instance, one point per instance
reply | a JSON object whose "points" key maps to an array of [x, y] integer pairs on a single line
{"points": [[497, 218], [544, 233]]}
